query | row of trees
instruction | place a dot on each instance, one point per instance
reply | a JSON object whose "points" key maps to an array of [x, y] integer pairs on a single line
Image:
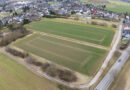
{"points": [[103, 24], [97, 23], [14, 32], [16, 52], [52, 70]]}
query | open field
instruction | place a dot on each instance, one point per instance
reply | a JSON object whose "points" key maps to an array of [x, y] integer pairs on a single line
{"points": [[14, 76], [112, 5], [81, 58], [118, 6], [91, 34], [83, 22], [122, 82]]}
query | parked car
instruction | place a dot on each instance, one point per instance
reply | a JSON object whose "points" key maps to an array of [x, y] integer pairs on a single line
{"points": [[123, 46]]}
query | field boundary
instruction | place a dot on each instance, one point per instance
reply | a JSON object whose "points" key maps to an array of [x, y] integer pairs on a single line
{"points": [[76, 48], [70, 59], [52, 53], [72, 40], [79, 23]]}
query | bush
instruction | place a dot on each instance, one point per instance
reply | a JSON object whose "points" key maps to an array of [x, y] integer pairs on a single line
{"points": [[93, 17], [61, 87], [50, 69], [66, 75], [33, 61], [45, 66], [103, 24], [13, 35], [76, 18], [117, 53], [16, 52], [53, 71], [114, 25], [30, 60], [26, 21], [94, 23], [38, 63]]}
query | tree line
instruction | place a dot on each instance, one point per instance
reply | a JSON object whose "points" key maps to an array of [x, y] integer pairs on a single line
{"points": [[15, 32]]}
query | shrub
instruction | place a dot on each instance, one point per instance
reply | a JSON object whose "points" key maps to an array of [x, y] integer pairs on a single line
{"points": [[12, 36], [61, 87], [53, 71], [104, 24], [50, 69], [114, 25], [94, 23], [66, 75], [26, 21], [38, 63], [33, 61], [93, 17], [16, 52], [117, 53], [45, 66], [30, 60], [76, 18]]}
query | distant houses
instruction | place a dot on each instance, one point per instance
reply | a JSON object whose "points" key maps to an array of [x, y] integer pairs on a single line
{"points": [[125, 34], [40, 8], [126, 31], [34, 10]]}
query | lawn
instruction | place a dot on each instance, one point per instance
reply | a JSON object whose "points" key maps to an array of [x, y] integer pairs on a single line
{"points": [[91, 34], [81, 58], [14, 76]]}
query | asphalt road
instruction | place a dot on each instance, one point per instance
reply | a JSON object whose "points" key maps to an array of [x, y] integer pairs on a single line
{"points": [[113, 72]]}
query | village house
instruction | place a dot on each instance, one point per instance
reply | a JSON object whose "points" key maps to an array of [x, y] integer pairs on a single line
{"points": [[40, 8]]}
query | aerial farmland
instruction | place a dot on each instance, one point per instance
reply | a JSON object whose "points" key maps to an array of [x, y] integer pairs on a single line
{"points": [[64, 44], [81, 48]]}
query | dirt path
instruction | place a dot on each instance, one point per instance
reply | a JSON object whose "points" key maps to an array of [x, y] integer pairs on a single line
{"points": [[73, 40]]}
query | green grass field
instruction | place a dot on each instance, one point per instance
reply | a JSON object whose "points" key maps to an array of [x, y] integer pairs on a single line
{"points": [[91, 34], [84, 59], [14, 76], [118, 6], [113, 5]]}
